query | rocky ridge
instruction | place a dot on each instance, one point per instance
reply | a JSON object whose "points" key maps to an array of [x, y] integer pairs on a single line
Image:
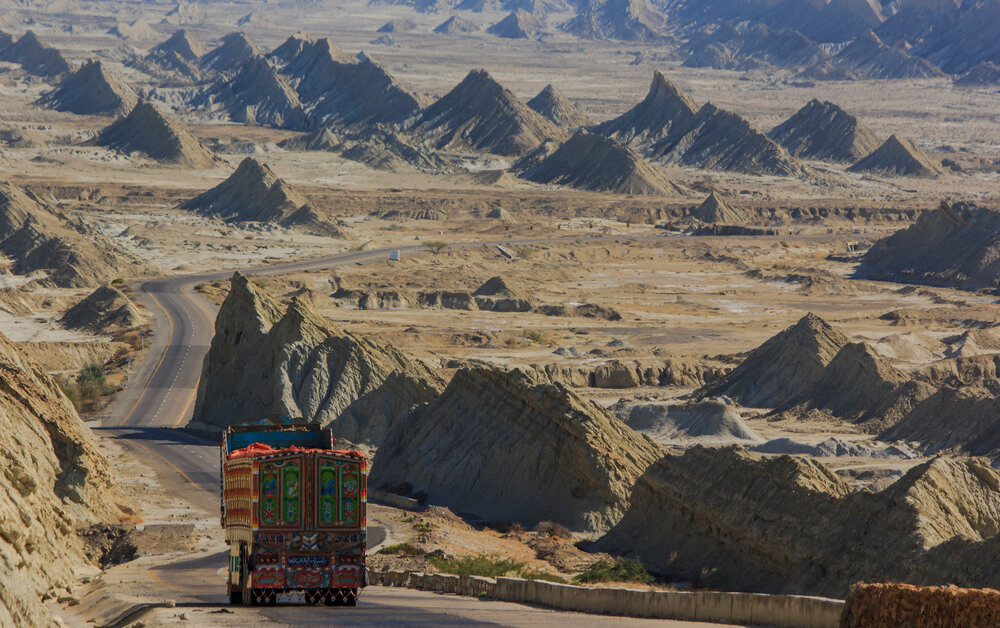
{"points": [[68, 253], [266, 359], [588, 161], [956, 245], [54, 481], [936, 525], [256, 94], [571, 461]]}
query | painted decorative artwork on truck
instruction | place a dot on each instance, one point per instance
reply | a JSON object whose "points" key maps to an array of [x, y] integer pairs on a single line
{"points": [[269, 494], [280, 493], [340, 493], [290, 503], [327, 493]]}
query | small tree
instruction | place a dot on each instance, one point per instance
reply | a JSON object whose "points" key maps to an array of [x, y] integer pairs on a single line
{"points": [[436, 247]]}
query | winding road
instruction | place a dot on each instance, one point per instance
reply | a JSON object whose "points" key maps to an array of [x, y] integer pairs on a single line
{"points": [[147, 419]]}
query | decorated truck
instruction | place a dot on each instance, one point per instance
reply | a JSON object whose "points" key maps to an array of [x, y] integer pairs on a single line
{"points": [[293, 509]]}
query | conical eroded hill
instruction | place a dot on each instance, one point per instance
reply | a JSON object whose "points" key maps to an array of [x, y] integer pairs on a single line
{"points": [[35, 57], [558, 109], [665, 107], [91, 90], [235, 50], [588, 161], [147, 130], [782, 369], [721, 140], [256, 94], [480, 114], [715, 210], [253, 193], [956, 245], [822, 130], [898, 157]]}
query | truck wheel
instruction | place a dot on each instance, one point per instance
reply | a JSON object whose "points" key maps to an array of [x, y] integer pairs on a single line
{"points": [[235, 595]]}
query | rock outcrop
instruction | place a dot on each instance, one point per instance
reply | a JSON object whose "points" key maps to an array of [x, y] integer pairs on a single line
{"points": [[715, 210], [960, 418], [956, 245], [103, 310], [148, 131], [253, 193], [557, 108], [732, 520], [256, 94], [985, 74], [862, 387], [784, 368], [518, 24], [35, 57], [822, 130], [319, 140], [898, 157], [67, 252], [756, 46], [382, 148], [624, 20], [397, 26], [500, 295], [337, 88], [666, 106], [54, 481], [455, 25], [716, 139], [501, 446], [870, 57], [711, 422], [480, 114], [91, 90], [267, 360], [588, 161], [183, 44], [234, 51]]}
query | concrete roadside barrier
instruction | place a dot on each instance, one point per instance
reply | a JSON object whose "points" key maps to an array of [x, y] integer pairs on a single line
{"points": [[756, 609]]}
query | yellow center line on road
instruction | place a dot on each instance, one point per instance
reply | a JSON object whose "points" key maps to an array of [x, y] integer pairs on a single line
{"points": [[175, 468], [158, 364], [188, 404]]}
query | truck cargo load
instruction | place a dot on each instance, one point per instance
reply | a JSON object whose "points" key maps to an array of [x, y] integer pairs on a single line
{"points": [[293, 510]]}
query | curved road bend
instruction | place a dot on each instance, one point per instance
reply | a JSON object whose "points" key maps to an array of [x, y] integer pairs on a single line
{"points": [[144, 420]]}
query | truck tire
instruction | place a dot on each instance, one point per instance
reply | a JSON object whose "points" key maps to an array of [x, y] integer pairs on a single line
{"points": [[235, 595]]}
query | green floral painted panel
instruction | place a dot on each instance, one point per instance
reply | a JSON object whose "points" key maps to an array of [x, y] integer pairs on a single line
{"points": [[291, 493], [328, 493]]}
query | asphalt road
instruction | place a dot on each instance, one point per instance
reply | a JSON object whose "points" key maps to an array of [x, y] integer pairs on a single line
{"points": [[148, 417]]}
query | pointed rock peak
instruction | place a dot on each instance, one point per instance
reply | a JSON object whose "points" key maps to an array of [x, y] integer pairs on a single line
{"points": [[183, 44], [496, 286], [334, 51], [293, 46], [551, 103], [663, 89], [30, 37], [860, 356], [715, 209], [246, 301], [251, 168]]}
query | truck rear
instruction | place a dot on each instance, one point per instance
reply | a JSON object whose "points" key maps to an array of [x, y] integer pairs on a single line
{"points": [[293, 509]]}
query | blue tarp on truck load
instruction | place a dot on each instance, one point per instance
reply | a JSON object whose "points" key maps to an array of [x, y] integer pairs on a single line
{"points": [[309, 437]]}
